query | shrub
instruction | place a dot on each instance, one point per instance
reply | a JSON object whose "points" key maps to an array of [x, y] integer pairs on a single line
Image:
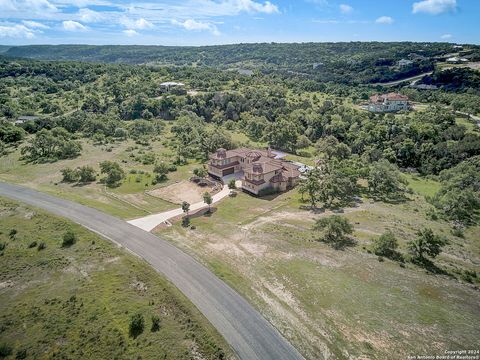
{"points": [[69, 238], [427, 243], [86, 174], [385, 245], [469, 276], [185, 221], [21, 354], [335, 230], [5, 350], [69, 175], [148, 159], [231, 184], [41, 246], [137, 325], [2, 246], [12, 233], [32, 244], [114, 173], [172, 167], [200, 172], [155, 323], [161, 171]]}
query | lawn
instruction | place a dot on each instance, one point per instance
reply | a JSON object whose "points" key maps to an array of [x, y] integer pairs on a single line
{"points": [[343, 304], [76, 302]]}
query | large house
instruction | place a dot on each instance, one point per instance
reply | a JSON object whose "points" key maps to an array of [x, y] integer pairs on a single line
{"points": [[176, 88], [391, 102], [259, 171]]}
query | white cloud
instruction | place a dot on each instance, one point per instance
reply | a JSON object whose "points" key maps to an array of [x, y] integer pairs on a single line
{"points": [[446, 36], [434, 7], [193, 25], [130, 32], [43, 5], [89, 16], [71, 25], [139, 24], [253, 6], [384, 20], [35, 25], [7, 5], [16, 31], [345, 9]]}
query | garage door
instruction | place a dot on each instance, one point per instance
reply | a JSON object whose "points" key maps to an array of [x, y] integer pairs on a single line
{"points": [[228, 171]]}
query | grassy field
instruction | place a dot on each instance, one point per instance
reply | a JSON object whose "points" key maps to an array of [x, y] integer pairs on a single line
{"points": [[342, 304], [76, 302], [127, 201]]}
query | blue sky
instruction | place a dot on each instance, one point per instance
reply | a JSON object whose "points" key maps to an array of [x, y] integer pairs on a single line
{"points": [[205, 22]]}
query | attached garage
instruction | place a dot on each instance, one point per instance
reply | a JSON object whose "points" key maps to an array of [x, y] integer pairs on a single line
{"points": [[228, 171]]}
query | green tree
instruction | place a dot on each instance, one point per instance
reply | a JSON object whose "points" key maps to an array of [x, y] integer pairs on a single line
{"points": [[86, 174], [10, 133], [207, 199], [69, 238], [137, 325], [231, 184], [427, 243], [114, 173], [185, 207], [161, 171], [200, 172], [69, 175], [331, 148], [155, 323], [385, 245], [311, 185], [282, 134], [51, 145], [335, 230], [385, 181], [337, 186]]}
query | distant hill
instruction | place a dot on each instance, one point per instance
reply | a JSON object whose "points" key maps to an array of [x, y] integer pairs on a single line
{"points": [[4, 48], [352, 62]]}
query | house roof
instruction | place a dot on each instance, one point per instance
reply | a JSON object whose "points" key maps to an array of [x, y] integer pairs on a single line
{"points": [[379, 98], [172, 83], [262, 162]]}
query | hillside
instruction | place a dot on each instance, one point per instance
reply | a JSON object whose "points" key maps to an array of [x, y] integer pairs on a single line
{"points": [[352, 62], [76, 301]]}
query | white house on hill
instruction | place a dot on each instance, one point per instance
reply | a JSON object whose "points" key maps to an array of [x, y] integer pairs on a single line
{"points": [[391, 102]]}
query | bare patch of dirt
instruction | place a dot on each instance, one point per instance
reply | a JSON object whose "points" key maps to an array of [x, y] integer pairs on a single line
{"points": [[139, 286], [6, 284], [182, 191]]}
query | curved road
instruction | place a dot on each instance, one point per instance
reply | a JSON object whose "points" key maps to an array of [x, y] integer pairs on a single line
{"points": [[247, 332]]}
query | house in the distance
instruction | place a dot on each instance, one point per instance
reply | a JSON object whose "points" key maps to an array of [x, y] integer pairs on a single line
{"points": [[173, 87], [404, 62], [259, 171], [391, 102], [456, 60]]}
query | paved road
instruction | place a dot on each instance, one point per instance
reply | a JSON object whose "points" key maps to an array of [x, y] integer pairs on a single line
{"points": [[150, 222], [247, 332], [396, 82]]}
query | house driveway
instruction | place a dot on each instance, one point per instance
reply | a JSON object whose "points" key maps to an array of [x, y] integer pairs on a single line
{"points": [[150, 222]]}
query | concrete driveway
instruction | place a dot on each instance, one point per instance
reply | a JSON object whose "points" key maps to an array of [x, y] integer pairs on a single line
{"points": [[150, 222]]}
